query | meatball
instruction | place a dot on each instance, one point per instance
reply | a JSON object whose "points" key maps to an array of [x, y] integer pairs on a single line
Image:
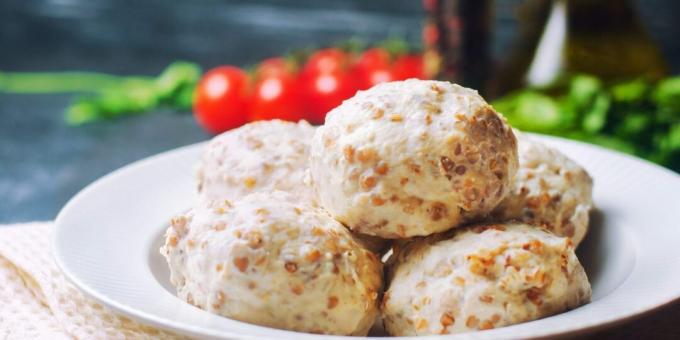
{"points": [[550, 190], [260, 156], [481, 277], [271, 260], [412, 158]]}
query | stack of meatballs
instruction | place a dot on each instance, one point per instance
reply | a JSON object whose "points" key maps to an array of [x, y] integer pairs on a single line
{"points": [[415, 207]]}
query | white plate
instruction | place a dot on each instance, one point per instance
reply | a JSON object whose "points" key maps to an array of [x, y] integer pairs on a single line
{"points": [[108, 236]]}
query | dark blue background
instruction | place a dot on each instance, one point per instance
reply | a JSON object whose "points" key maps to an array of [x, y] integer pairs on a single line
{"points": [[43, 162]]}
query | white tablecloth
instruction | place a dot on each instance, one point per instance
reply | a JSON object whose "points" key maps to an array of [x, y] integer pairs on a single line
{"points": [[37, 301]]}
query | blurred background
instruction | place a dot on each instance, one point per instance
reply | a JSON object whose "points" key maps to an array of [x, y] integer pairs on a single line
{"points": [[86, 86]]}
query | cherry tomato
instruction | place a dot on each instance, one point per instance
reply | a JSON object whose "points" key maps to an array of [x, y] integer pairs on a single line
{"points": [[220, 100], [276, 94], [326, 82], [326, 60], [324, 91], [408, 66], [275, 65], [372, 67]]}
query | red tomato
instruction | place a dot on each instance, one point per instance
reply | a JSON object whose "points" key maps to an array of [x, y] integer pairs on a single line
{"points": [[220, 100], [276, 95], [326, 60], [275, 65], [373, 67], [326, 82], [324, 91], [408, 66]]}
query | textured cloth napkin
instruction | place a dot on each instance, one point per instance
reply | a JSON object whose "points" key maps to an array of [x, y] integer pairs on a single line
{"points": [[38, 302]]}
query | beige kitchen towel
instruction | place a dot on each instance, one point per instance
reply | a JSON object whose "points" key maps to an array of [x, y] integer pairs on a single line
{"points": [[38, 302]]}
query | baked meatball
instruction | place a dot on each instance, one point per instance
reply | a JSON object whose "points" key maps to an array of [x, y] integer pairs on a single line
{"points": [[271, 260], [549, 190], [412, 158], [481, 277], [260, 156]]}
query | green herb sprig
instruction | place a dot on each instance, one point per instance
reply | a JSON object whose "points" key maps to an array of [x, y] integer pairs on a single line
{"points": [[636, 116], [104, 96]]}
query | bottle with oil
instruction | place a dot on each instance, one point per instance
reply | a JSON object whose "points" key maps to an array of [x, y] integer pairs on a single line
{"points": [[556, 37], [456, 40], [604, 38]]}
